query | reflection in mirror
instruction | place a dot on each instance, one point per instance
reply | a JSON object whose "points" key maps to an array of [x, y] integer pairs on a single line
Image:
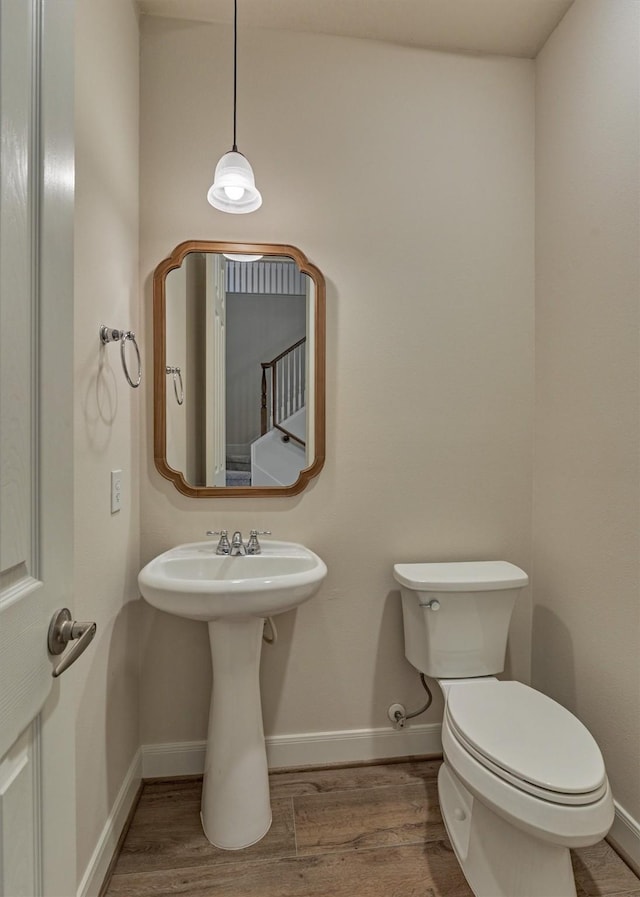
{"points": [[239, 336]]}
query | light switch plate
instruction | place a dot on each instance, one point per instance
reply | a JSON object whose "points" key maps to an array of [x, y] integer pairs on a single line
{"points": [[116, 491]]}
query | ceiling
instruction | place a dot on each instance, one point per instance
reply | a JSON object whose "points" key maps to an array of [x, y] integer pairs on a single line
{"points": [[504, 27]]}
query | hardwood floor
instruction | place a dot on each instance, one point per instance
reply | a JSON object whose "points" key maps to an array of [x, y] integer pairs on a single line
{"points": [[368, 831]]}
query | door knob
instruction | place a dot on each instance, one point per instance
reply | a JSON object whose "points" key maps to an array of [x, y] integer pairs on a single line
{"points": [[63, 630]]}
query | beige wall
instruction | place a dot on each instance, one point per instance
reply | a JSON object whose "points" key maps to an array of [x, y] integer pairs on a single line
{"points": [[407, 177], [586, 620], [107, 417]]}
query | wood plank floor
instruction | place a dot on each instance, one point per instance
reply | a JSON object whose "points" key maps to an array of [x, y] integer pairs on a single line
{"points": [[368, 831]]}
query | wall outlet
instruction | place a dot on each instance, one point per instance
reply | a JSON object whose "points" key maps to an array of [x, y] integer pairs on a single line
{"points": [[116, 491]]}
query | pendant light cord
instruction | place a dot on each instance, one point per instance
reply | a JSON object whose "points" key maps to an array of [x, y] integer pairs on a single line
{"points": [[234, 187], [235, 70]]}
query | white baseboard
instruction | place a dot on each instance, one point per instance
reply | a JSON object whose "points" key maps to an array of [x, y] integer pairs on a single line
{"points": [[352, 746], [107, 842], [625, 836], [180, 758], [303, 749]]}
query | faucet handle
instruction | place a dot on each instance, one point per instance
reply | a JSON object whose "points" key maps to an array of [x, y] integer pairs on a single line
{"points": [[253, 546], [223, 543]]}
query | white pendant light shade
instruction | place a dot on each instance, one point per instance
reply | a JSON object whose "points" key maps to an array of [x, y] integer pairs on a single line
{"points": [[238, 257], [234, 186]]}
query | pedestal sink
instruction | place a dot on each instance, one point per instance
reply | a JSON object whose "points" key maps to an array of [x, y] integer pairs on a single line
{"points": [[233, 595]]}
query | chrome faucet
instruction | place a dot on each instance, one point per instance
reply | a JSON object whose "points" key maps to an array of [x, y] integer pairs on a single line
{"points": [[237, 545], [253, 546], [223, 546]]}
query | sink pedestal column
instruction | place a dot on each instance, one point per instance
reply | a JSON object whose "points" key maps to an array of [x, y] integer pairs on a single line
{"points": [[236, 810]]}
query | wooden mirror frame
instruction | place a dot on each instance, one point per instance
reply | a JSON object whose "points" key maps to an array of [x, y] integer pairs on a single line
{"points": [[160, 379]]}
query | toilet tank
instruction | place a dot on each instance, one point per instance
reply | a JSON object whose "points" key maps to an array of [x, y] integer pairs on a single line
{"points": [[456, 615]]}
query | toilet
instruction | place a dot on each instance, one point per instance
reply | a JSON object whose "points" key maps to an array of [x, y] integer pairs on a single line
{"points": [[523, 780]]}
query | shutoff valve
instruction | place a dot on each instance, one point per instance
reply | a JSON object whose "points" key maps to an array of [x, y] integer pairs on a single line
{"points": [[398, 715]]}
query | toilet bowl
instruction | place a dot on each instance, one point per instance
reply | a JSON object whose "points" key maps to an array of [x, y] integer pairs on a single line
{"points": [[523, 780]]}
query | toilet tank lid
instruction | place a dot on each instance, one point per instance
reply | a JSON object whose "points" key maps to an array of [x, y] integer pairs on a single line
{"points": [[461, 576]]}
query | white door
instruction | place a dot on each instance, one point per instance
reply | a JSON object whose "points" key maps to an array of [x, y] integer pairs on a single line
{"points": [[310, 371], [37, 797], [216, 378]]}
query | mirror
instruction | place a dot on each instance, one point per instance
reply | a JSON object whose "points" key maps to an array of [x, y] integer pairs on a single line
{"points": [[239, 369]]}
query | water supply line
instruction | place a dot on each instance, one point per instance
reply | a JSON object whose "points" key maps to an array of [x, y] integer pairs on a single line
{"points": [[399, 716], [273, 638]]}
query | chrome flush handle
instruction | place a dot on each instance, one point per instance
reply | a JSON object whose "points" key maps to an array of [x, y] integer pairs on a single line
{"points": [[63, 630]]}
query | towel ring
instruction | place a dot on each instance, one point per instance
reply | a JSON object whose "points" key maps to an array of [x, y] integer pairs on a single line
{"points": [[111, 335], [177, 374]]}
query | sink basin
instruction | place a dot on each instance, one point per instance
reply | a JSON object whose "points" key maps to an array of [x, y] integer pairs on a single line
{"points": [[233, 595], [193, 581]]}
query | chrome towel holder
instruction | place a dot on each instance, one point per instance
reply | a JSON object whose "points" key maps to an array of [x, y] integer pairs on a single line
{"points": [[111, 335], [177, 375]]}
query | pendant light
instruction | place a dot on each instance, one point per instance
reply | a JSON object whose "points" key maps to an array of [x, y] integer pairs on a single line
{"points": [[234, 187], [239, 257]]}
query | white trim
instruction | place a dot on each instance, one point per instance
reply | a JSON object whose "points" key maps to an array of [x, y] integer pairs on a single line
{"points": [[350, 746], [180, 758], [303, 749], [98, 865], [625, 836]]}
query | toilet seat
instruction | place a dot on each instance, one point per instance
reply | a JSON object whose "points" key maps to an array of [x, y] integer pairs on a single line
{"points": [[527, 740]]}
